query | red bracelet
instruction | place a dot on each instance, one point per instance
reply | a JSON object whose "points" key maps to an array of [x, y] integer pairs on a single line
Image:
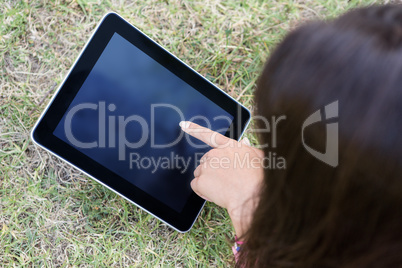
{"points": [[237, 244]]}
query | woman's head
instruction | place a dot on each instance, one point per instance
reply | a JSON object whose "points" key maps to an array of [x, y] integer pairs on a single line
{"points": [[311, 213]]}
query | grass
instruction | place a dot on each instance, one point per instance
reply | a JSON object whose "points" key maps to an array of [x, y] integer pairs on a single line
{"points": [[53, 216]]}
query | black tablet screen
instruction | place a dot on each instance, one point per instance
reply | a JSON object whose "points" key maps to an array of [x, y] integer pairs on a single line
{"points": [[126, 117]]}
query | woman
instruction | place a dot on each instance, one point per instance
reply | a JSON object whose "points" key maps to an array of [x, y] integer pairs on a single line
{"points": [[312, 214]]}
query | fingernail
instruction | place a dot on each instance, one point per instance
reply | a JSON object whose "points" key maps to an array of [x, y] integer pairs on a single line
{"points": [[184, 124]]}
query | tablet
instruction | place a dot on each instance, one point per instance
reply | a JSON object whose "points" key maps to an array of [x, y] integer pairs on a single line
{"points": [[116, 118]]}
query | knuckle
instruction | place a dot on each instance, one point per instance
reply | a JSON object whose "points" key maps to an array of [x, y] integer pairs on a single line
{"points": [[197, 171], [194, 184], [200, 179]]}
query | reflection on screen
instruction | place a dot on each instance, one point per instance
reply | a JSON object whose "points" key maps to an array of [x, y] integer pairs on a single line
{"points": [[128, 108]]}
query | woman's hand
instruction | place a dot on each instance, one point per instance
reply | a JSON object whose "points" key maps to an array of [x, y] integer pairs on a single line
{"points": [[229, 175]]}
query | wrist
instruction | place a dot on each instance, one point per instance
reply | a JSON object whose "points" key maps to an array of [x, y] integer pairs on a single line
{"points": [[241, 215], [240, 221]]}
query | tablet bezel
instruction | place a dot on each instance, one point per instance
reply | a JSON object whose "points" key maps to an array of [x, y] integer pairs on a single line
{"points": [[42, 133]]}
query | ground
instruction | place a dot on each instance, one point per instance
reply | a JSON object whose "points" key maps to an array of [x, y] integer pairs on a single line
{"points": [[50, 214]]}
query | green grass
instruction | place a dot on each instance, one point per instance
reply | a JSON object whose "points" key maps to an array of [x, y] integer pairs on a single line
{"points": [[50, 214]]}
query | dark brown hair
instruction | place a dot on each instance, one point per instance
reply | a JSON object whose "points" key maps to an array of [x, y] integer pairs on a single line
{"points": [[312, 214]]}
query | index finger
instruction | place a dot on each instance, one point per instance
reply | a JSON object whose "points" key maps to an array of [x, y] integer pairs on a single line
{"points": [[210, 137]]}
